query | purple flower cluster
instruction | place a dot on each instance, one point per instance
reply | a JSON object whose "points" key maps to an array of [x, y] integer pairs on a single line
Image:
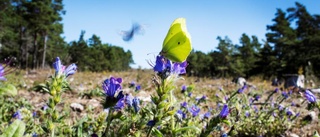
{"points": [[3, 68], [194, 110], [181, 115], [136, 104], [224, 112], [285, 94], [240, 90], [165, 67], [61, 69], [17, 115], [183, 88], [2, 72], [113, 91], [310, 97]]}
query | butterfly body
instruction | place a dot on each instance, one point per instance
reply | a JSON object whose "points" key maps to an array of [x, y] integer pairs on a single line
{"points": [[177, 44], [128, 35]]}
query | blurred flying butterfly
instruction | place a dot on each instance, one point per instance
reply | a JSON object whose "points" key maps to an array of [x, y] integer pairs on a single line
{"points": [[177, 44], [128, 35]]}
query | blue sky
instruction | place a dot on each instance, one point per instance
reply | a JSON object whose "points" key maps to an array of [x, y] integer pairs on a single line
{"points": [[206, 20]]}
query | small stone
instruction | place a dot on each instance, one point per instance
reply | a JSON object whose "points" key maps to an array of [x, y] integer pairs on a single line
{"points": [[77, 107], [311, 117], [93, 103], [293, 135]]}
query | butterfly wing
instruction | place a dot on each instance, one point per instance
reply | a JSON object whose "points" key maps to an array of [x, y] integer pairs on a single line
{"points": [[128, 35], [177, 44]]}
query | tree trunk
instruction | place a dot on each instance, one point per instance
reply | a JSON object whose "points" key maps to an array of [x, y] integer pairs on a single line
{"points": [[35, 51], [21, 47], [44, 50]]}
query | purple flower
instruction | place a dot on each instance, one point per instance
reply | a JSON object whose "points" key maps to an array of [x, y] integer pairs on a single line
{"points": [[2, 73], [224, 135], [61, 69], [309, 96], [120, 104], [194, 110], [183, 88], [251, 101], [71, 69], [165, 67], [162, 64], [207, 115], [255, 109], [217, 95], [44, 108], [34, 135], [138, 87], [289, 112], [189, 94], [204, 97], [181, 115], [280, 107], [151, 123], [257, 97], [247, 114], [57, 65], [34, 114], [17, 115], [94, 135], [184, 104], [128, 100], [224, 112], [3, 70], [285, 94], [112, 86], [240, 90], [136, 104], [226, 98], [276, 90], [219, 106], [112, 90], [179, 68], [132, 84]]}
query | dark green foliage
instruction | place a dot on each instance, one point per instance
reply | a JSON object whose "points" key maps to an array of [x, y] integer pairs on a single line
{"points": [[199, 63], [95, 56], [292, 42], [31, 31]]}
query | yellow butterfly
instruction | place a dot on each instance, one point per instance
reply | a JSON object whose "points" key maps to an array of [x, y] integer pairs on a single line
{"points": [[177, 44]]}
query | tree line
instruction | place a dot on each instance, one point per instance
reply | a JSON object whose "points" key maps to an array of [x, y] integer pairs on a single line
{"points": [[31, 31], [292, 44]]}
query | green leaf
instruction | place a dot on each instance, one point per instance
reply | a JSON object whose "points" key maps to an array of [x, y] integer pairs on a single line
{"points": [[157, 132], [226, 122], [8, 89], [42, 87], [187, 129], [315, 134], [16, 129]]}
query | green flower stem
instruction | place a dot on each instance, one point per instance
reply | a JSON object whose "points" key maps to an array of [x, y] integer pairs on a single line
{"points": [[265, 103], [52, 133], [282, 100], [109, 120], [149, 131], [234, 94]]}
